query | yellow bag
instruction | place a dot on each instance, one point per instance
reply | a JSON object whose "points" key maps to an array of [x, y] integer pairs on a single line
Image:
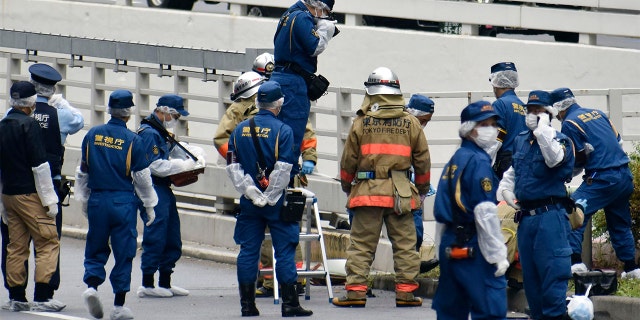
{"points": [[576, 217]]}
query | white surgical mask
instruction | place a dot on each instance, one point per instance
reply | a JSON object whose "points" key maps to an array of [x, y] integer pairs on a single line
{"points": [[531, 120], [170, 124], [486, 137]]}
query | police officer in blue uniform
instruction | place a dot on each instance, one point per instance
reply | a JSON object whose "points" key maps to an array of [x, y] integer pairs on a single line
{"points": [[114, 169], [57, 119], [303, 33], [472, 254], [161, 242], [542, 162], [504, 79], [608, 182], [422, 108], [263, 197]]}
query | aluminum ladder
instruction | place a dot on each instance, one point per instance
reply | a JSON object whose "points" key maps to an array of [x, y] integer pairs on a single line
{"points": [[306, 235]]}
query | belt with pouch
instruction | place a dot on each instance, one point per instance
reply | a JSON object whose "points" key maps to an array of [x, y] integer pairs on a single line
{"points": [[541, 210], [370, 175]]}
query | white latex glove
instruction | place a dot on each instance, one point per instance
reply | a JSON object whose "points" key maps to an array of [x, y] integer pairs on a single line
{"points": [[55, 100], [543, 120], [85, 209], [256, 196], [259, 202], [5, 218], [151, 215], [53, 210], [553, 111], [326, 26], [502, 267], [510, 199]]}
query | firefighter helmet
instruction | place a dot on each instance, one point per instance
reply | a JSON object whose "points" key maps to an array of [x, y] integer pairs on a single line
{"points": [[382, 81], [264, 64], [246, 85]]}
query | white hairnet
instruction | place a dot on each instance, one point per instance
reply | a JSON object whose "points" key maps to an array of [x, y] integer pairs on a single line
{"points": [[564, 104], [465, 128], [317, 4], [24, 102], [417, 113], [504, 79], [45, 90], [167, 110], [120, 112], [270, 105]]}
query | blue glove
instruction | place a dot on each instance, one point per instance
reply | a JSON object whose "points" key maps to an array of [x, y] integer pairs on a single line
{"points": [[431, 192], [582, 203], [307, 167]]}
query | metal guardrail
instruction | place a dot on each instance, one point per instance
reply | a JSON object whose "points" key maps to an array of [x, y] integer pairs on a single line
{"points": [[607, 17], [92, 77]]}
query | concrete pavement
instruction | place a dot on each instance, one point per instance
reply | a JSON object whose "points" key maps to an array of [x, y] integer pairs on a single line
{"points": [[214, 294]]}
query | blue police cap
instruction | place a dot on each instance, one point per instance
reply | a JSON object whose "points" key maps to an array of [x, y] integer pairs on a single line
{"points": [[478, 111], [503, 66], [329, 3], [173, 101], [22, 89], [539, 98], [422, 103], [269, 91], [45, 74], [561, 94], [121, 99]]}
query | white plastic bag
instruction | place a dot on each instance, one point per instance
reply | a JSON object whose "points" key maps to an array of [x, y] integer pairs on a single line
{"points": [[581, 307]]}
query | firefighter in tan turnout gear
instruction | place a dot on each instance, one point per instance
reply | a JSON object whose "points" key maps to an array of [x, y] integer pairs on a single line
{"points": [[384, 143]]}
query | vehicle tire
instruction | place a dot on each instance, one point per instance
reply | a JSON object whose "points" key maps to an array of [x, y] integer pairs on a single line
{"points": [[256, 12], [571, 37], [171, 4]]}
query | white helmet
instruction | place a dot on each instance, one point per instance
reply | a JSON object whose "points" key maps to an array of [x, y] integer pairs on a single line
{"points": [[264, 64], [246, 85], [382, 81]]}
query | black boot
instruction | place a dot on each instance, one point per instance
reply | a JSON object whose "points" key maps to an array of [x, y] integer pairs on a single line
{"points": [[290, 304], [248, 300]]}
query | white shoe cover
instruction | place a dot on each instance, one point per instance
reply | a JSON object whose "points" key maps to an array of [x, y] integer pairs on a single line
{"points": [[50, 305], [579, 267], [121, 313], [634, 274], [154, 292], [179, 292], [92, 301]]}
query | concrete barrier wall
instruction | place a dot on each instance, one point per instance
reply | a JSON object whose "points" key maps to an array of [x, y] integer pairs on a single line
{"points": [[423, 61]]}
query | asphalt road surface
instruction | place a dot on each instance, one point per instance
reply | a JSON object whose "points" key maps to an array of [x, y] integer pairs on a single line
{"points": [[214, 295]]}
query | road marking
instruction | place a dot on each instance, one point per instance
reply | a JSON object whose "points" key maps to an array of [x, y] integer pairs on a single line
{"points": [[54, 315]]}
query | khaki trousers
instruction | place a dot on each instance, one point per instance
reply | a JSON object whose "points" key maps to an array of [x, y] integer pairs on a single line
{"points": [[365, 234], [27, 219]]}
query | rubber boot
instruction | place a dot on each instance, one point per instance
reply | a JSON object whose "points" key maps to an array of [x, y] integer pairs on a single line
{"points": [[407, 299], [248, 300], [353, 299], [290, 304]]}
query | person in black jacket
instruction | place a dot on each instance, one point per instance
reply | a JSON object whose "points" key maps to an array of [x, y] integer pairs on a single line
{"points": [[30, 203]]}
